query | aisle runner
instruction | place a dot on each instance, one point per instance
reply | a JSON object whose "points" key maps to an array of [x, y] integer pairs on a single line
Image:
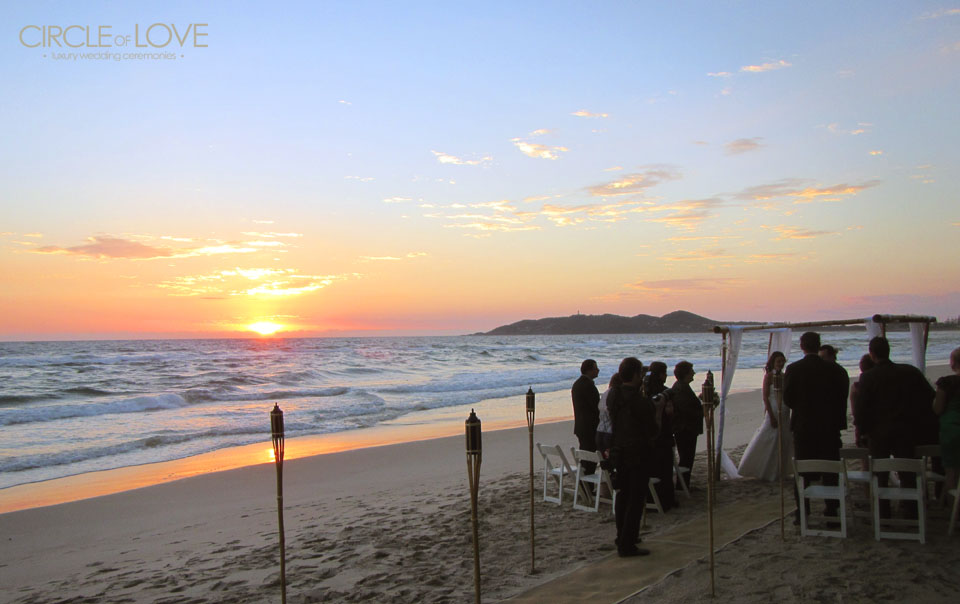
{"points": [[613, 578]]}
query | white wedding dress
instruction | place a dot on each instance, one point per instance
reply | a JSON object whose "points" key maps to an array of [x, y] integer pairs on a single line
{"points": [[760, 457]]}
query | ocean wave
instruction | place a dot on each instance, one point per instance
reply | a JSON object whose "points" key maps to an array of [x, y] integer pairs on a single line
{"points": [[488, 380], [88, 391], [46, 460], [47, 413], [202, 395]]}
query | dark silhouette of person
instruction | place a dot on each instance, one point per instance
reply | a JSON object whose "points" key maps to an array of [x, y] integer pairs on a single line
{"points": [[893, 412], [663, 445], [586, 412], [817, 396], [635, 428], [687, 418]]}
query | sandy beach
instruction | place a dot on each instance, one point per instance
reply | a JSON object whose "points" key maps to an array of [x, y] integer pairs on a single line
{"points": [[391, 524]]}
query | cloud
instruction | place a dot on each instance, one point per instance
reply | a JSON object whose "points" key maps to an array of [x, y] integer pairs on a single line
{"points": [[541, 132], [743, 145], [861, 128], [947, 12], [270, 235], [710, 254], [114, 248], [787, 232], [637, 182], [613, 169], [800, 191], [342, 102], [773, 257], [359, 178], [262, 221], [876, 152], [275, 283], [771, 66], [397, 199], [446, 158], [392, 258], [585, 113], [685, 285], [719, 74], [493, 226], [111, 247], [537, 150]]}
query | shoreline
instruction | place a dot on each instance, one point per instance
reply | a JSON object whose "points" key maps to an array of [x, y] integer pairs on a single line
{"points": [[496, 414]]}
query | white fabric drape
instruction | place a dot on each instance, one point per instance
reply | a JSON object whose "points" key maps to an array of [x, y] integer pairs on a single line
{"points": [[918, 349], [781, 339], [873, 328], [735, 340]]}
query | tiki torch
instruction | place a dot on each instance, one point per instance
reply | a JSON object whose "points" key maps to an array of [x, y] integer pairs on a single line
{"points": [[708, 396], [276, 433], [531, 407], [778, 391], [474, 456]]}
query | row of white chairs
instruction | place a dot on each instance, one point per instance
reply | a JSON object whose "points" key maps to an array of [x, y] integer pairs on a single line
{"points": [[588, 487], [846, 477]]}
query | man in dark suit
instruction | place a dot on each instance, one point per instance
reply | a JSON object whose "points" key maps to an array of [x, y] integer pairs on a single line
{"points": [[893, 411], [586, 410], [816, 392]]}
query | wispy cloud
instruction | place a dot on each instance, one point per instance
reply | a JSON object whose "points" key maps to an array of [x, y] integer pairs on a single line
{"points": [[695, 255], [537, 150], [771, 66], [800, 191], [743, 145], [719, 74], [947, 12], [270, 235], [685, 285], [637, 182], [860, 128], [272, 283], [876, 152], [446, 158], [360, 178], [585, 113], [392, 258], [116, 248], [788, 232]]}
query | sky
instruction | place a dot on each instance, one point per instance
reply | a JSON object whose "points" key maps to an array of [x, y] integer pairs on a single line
{"points": [[218, 169]]}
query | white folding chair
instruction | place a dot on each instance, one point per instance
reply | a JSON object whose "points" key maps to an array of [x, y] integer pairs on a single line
{"points": [[555, 469], [821, 491], [927, 453], [858, 476], [599, 477], [899, 493]]}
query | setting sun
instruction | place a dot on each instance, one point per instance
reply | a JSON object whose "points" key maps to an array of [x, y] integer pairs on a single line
{"points": [[265, 328]]}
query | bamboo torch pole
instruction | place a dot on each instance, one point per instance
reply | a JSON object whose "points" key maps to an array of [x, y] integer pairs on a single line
{"points": [[531, 408], [474, 457], [276, 433], [708, 396], [778, 390]]}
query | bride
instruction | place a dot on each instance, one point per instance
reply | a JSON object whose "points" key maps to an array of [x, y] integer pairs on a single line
{"points": [[760, 458]]}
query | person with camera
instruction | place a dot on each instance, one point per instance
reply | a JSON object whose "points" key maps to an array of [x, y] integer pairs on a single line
{"points": [[635, 428], [655, 387]]}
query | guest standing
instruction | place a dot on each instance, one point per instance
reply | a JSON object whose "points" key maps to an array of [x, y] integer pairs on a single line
{"points": [[663, 445], [947, 406], [866, 364], [687, 418], [586, 410], [635, 428], [894, 402], [818, 401]]}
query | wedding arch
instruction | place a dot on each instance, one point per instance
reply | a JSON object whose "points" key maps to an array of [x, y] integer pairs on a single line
{"points": [[781, 338]]}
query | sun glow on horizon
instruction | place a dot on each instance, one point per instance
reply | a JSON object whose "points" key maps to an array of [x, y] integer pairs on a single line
{"points": [[265, 328]]}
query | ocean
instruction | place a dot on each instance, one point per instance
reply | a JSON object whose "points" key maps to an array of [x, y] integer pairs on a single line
{"points": [[69, 408]]}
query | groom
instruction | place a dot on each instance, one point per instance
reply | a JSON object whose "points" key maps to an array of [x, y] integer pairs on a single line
{"points": [[816, 392]]}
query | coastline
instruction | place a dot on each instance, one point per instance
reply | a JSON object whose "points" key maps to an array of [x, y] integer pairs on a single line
{"points": [[386, 522]]}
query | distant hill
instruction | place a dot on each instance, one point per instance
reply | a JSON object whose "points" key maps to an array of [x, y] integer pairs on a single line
{"points": [[679, 321]]}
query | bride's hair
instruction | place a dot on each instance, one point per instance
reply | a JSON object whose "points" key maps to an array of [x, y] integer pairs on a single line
{"points": [[773, 360]]}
